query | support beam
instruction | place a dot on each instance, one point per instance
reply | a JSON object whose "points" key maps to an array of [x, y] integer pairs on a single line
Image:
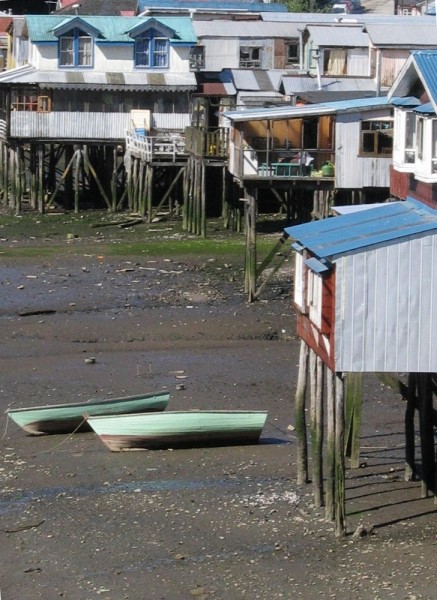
{"points": [[299, 416]]}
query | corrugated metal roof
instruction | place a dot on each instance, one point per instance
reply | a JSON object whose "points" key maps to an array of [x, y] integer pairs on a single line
{"points": [[312, 18], [419, 33], [408, 101], [302, 85], [340, 35], [217, 88], [426, 108], [341, 235], [258, 29], [211, 5], [259, 114], [426, 64], [91, 80], [112, 28], [257, 79]]}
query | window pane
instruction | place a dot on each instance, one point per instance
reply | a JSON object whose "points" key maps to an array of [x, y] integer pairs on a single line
{"points": [[142, 52], [160, 52], [410, 129], [84, 51], [368, 142], [67, 51]]}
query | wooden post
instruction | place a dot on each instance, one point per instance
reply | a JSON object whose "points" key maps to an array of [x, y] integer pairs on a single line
{"points": [[203, 200], [149, 188], [339, 458], [316, 427], [250, 266], [300, 418], [330, 446], [5, 174], [426, 433], [353, 405], [13, 177], [77, 167], [19, 178], [410, 450]]}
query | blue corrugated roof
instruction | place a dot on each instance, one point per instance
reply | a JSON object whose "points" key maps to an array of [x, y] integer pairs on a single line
{"points": [[289, 112], [111, 28], [335, 236], [237, 5], [407, 101], [427, 109], [426, 63]]}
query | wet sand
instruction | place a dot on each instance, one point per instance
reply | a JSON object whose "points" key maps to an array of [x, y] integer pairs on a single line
{"points": [[78, 521]]}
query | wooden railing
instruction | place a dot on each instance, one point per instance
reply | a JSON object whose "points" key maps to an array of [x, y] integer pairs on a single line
{"points": [[169, 146], [209, 143]]}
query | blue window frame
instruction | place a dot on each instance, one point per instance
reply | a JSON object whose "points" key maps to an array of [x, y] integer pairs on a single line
{"points": [[76, 49], [151, 50]]}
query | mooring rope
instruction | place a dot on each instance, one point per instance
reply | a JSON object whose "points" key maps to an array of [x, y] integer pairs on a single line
{"points": [[66, 438]]}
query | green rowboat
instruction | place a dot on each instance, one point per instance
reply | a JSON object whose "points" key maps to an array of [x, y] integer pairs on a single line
{"points": [[66, 418], [172, 429]]}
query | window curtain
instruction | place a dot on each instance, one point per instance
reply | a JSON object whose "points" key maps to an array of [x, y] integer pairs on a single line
{"points": [[337, 62], [358, 62]]}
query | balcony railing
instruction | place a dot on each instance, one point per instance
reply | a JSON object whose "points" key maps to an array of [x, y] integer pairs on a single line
{"points": [[148, 148], [208, 143]]}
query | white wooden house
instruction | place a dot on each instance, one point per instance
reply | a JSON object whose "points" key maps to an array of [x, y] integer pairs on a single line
{"points": [[365, 285], [100, 68], [414, 96], [354, 135]]}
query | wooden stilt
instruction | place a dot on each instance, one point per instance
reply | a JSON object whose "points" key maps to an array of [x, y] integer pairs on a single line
{"points": [[202, 230], [330, 446], [300, 418], [410, 452], [250, 263], [353, 404], [13, 177], [316, 427], [426, 433], [19, 178], [340, 511]]}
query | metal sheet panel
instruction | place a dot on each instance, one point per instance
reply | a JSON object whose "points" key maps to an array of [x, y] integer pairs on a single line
{"points": [[69, 125], [342, 36], [257, 29], [346, 234], [414, 34], [385, 320]]}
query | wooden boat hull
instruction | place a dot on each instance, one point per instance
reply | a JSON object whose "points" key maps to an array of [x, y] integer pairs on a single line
{"points": [[179, 429], [66, 418]]}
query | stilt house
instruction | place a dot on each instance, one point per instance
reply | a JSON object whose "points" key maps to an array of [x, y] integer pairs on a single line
{"points": [[414, 171], [365, 288], [87, 82]]}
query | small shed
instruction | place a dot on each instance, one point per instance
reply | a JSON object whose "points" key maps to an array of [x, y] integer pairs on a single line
{"points": [[365, 287], [365, 284]]}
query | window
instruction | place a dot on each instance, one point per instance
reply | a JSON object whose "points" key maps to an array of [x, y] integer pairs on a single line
{"points": [[250, 56], [410, 134], [434, 146], [151, 50], [197, 57], [292, 54], [420, 136], [377, 138], [29, 101], [76, 50], [335, 62]]}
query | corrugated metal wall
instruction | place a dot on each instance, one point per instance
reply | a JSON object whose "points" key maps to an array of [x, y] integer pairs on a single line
{"points": [[69, 126], [385, 318], [351, 170], [221, 54]]}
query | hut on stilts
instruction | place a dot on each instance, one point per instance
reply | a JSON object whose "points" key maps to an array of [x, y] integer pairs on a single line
{"points": [[364, 287]]}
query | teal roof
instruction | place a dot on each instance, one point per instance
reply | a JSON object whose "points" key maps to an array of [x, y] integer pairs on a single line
{"points": [[112, 29]]}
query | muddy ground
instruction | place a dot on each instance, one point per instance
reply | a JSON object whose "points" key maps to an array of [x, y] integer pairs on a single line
{"points": [[80, 522]]}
